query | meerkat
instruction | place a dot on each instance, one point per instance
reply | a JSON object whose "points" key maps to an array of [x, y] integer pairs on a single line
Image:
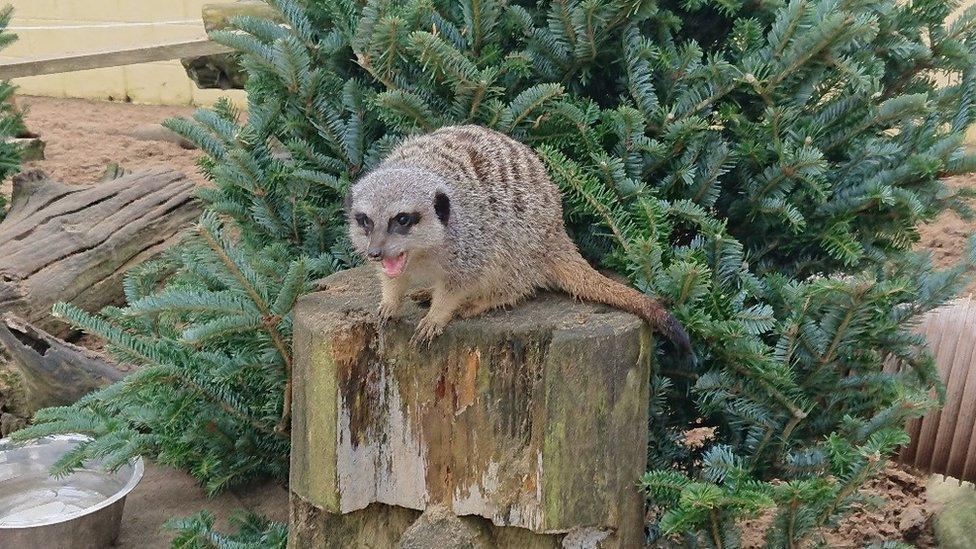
{"points": [[473, 215]]}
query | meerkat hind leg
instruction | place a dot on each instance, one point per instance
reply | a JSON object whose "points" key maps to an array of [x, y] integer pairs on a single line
{"points": [[485, 303]]}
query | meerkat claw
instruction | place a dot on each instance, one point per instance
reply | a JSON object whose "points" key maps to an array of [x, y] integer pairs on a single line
{"points": [[388, 313], [425, 333]]}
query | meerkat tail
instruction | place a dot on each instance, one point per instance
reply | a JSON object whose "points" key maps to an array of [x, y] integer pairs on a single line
{"points": [[572, 274]]}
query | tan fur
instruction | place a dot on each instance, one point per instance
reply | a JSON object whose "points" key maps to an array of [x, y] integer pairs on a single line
{"points": [[503, 238]]}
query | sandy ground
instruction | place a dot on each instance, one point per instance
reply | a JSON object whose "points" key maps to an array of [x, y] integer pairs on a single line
{"points": [[165, 493], [84, 137]]}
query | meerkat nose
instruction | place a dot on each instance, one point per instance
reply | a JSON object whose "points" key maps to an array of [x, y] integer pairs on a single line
{"points": [[374, 253]]}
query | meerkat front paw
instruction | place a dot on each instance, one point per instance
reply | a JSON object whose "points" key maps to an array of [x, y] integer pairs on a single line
{"points": [[388, 312], [427, 330]]}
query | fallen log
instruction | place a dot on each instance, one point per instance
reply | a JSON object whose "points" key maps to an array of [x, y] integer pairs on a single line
{"points": [[73, 243], [53, 372]]}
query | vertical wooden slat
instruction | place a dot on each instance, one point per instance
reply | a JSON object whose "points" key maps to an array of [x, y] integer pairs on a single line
{"points": [[962, 431], [944, 441]]}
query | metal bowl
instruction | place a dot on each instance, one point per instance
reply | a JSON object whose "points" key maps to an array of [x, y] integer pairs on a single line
{"points": [[80, 511]]}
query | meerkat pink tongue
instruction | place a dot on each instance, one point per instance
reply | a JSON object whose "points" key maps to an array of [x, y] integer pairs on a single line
{"points": [[393, 266]]}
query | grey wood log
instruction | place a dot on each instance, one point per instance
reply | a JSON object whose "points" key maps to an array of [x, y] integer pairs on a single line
{"points": [[53, 372], [223, 71], [519, 428], [73, 243]]}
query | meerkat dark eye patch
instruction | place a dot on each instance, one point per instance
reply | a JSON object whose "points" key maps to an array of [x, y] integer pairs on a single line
{"points": [[401, 222], [442, 207], [364, 221]]}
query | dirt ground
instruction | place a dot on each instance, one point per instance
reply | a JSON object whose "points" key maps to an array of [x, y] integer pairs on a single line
{"points": [[83, 137], [895, 507], [165, 493]]}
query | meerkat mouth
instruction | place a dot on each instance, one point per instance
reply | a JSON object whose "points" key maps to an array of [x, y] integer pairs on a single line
{"points": [[393, 266]]}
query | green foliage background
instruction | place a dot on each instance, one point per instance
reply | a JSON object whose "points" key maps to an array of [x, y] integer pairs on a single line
{"points": [[762, 167]]}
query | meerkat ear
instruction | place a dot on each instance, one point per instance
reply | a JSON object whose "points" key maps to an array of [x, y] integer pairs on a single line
{"points": [[442, 207]]}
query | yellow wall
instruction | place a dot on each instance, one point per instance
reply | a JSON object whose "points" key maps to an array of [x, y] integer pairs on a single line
{"points": [[163, 82]]}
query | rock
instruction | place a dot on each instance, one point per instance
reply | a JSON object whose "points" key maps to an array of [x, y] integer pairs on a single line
{"points": [[439, 527], [955, 521], [10, 423], [16, 400], [911, 522], [215, 72], [31, 148], [529, 423]]}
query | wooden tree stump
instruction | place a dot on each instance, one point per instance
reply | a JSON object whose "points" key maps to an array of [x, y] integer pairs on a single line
{"points": [[74, 243], [520, 428]]}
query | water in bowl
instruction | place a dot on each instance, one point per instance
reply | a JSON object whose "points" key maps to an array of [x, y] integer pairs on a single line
{"points": [[37, 498]]}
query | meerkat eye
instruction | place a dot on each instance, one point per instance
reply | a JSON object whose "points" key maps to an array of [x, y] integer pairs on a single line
{"points": [[401, 222], [364, 221]]}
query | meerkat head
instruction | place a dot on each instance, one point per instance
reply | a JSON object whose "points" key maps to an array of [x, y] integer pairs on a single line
{"points": [[396, 214]]}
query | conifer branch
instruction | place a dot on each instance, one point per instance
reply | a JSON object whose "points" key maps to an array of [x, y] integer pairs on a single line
{"points": [[270, 323]]}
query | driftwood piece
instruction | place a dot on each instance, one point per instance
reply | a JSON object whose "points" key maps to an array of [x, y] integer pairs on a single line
{"points": [[53, 372], [523, 428], [223, 70], [73, 243]]}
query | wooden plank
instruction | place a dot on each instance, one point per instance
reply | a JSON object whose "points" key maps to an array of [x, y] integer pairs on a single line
{"points": [[35, 66]]}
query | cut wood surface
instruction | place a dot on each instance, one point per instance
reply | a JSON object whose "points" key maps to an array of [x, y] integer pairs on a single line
{"points": [[54, 372], [73, 243]]}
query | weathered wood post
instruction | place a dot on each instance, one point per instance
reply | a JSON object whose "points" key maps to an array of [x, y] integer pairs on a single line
{"points": [[521, 428]]}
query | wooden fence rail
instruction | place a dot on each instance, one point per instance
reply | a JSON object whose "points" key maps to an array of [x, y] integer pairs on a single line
{"points": [[36, 66]]}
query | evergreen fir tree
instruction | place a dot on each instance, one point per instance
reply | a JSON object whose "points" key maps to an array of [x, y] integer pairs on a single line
{"points": [[11, 121], [762, 167]]}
